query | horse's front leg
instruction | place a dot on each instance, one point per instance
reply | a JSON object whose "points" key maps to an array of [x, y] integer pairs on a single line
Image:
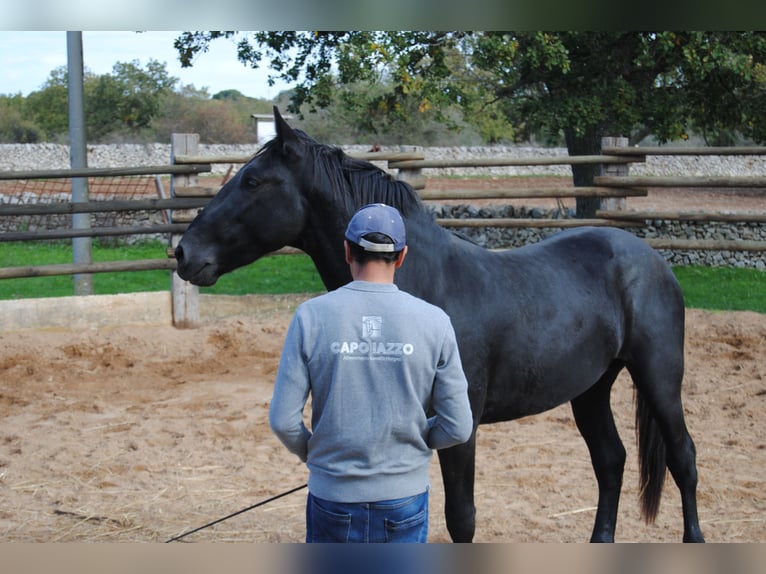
{"points": [[457, 467]]}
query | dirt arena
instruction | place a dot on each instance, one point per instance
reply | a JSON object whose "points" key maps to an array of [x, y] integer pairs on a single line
{"points": [[141, 433]]}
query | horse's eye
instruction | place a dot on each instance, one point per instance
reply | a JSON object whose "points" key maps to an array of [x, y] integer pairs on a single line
{"points": [[253, 181]]}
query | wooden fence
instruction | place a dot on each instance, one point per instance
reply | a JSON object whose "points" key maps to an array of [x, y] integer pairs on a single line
{"points": [[610, 190]]}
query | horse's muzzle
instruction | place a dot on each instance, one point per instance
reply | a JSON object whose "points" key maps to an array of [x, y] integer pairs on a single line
{"points": [[201, 272]]}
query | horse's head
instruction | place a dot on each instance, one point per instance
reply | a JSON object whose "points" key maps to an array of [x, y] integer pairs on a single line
{"points": [[259, 210]]}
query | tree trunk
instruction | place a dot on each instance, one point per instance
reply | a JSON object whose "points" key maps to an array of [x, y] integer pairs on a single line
{"points": [[582, 175]]}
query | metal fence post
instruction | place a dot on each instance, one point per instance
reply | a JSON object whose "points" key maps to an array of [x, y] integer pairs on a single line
{"points": [[78, 158]]}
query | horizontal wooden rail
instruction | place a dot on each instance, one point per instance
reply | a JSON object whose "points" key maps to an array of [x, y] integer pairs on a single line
{"points": [[388, 156], [50, 234], [197, 159], [736, 217], [510, 161], [195, 191], [367, 156], [87, 268], [689, 181], [706, 244], [533, 222], [210, 191], [730, 150], [523, 193], [106, 172], [283, 251], [168, 263], [65, 208]]}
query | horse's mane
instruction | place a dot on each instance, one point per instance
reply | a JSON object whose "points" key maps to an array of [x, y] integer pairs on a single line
{"points": [[352, 182]]}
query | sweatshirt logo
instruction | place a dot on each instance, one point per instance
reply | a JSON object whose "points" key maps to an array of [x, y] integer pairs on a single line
{"points": [[372, 347], [372, 327]]}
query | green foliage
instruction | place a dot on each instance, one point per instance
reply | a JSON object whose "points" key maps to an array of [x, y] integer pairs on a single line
{"points": [[583, 84], [629, 83], [382, 87], [215, 120], [134, 104], [48, 107], [230, 95], [346, 121], [435, 87], [14, 126], [124, 102]]}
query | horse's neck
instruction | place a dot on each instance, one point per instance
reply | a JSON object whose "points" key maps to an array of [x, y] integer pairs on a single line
{"points": [[423, 274], [324, 244], [430, 261]]}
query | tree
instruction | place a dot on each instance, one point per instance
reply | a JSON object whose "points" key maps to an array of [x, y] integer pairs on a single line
{"points": [[48, 106], [232, 95], [14, 126], [585, 85], [127, 99], [215, 120], [319, 62], [124, 101]]}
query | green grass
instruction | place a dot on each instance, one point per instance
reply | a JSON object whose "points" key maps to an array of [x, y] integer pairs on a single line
{"points": [[723, 288], [715, 288], [270, 275], [276, 274]]}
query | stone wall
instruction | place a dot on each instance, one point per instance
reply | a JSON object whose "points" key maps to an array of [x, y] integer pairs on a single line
{"points": [[508, 237], [21, 157]]}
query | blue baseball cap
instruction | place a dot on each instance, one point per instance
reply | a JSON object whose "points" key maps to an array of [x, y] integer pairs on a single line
{"points": [[377, 218]]}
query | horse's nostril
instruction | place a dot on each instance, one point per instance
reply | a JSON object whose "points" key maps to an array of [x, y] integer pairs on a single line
{"points": [[179, 253]]}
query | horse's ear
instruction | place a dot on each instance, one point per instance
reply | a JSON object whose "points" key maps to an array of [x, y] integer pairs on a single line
{"points": [[285, 133]]}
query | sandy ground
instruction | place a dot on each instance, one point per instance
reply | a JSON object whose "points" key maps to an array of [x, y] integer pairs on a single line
{"points": [[137, 433]]}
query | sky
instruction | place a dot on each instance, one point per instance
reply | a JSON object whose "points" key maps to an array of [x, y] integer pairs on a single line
{"points": [[28, 57]]}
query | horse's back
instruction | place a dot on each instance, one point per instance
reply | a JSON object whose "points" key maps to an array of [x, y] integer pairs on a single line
{"points": [[585, 270], [556, 314], [607, 255], [614, 271]]}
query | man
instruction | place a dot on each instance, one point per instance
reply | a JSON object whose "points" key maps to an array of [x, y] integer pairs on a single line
{"points": [[387, 386]]}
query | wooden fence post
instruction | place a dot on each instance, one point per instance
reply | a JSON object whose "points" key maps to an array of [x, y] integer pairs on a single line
{"points": [[413, 176], [184, 295], [614, 169]]}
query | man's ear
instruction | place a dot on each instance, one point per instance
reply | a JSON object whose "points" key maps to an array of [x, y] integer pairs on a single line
{"points": [[402, 255], [347, 250]]}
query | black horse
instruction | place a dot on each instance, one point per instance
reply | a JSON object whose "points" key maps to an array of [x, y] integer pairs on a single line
{"points": [[537, 326]]}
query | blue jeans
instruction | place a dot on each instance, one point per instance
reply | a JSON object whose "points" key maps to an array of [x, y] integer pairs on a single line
{"points": [[400, 520]]}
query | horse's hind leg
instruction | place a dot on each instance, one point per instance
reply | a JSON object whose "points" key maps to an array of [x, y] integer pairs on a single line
{"points": [[593, 415], [662, 406], [457, 467]]}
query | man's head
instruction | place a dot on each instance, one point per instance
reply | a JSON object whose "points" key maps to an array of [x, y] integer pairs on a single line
{"points": [[376, 232]]}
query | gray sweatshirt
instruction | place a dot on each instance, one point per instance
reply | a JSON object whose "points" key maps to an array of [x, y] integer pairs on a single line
{"points": [[377, 362]]}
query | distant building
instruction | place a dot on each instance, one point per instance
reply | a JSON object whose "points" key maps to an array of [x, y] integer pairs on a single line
{"points": [[263, 125]]}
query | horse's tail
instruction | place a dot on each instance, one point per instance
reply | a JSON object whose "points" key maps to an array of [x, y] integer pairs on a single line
{"points": [[651, 461]]}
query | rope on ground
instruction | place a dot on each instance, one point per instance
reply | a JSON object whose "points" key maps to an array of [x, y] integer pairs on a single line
{"points": [[233, 514]]}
